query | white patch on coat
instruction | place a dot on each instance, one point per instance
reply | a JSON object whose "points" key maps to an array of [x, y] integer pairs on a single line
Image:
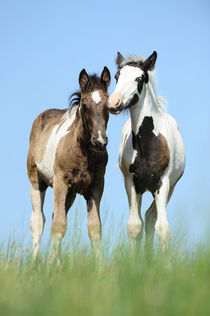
{"points": [[46, 166], [96, 97]]}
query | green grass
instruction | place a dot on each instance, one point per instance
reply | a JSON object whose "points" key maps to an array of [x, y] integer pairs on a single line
{"points": [[176, 284]]}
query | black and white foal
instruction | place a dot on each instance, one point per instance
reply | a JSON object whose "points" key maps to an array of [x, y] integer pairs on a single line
{"points": [[152, 154]]}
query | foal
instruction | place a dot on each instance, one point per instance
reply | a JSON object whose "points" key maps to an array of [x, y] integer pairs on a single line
{"points": [[152, 155], [68, 152]]}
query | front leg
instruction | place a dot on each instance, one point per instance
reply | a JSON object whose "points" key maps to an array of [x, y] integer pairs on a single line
{"points": [[94, 221], [135, 222], [59, 223], [162, 226], [37, 218], [151, 218]]}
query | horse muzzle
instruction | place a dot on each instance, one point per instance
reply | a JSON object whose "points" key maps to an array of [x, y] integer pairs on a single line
{"points": [[115, 105], [117, 109], [99, 143]]}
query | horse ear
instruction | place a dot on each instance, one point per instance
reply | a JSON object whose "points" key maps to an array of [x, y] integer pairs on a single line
{"points": [[105, 77], [83, 79], [119, 59], [149, 63]]}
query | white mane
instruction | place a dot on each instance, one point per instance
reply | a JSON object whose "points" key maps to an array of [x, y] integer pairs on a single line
{"points": [[132, 59], [160, 100]]}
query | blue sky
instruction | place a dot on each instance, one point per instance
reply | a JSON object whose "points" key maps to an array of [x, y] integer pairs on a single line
{"points": [[44, 46]]}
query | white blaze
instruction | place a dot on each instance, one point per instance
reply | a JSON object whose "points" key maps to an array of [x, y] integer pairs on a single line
{"points": [[100, 138], [96, 97]]}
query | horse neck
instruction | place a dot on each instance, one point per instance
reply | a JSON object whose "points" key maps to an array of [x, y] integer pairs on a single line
{"points": [[80, 130], [147, 106]]}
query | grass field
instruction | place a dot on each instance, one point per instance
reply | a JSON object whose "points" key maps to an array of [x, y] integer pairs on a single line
{"points": [[125, 286]]}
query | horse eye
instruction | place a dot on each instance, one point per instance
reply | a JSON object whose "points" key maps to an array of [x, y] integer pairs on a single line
{"points": [[138, 79]]}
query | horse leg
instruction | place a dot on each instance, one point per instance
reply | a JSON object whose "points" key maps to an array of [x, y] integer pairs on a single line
{"points": [[162, 226], [94, 222], [150, 220], [59, 223], [135, 222], [37, 218], [69, 201]]}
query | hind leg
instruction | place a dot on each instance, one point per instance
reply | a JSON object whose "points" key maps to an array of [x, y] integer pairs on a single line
{"points": [[135, 223], [37, 218], [150, 220]]}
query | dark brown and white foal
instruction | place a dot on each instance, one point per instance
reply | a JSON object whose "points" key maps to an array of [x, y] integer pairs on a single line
{"points": [[68, 152]]}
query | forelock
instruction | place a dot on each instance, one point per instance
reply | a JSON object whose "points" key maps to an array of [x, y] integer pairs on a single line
{"points": [[132, 60]]}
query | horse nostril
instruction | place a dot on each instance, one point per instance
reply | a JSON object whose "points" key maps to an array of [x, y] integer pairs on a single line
{"points": [[93, 139], [104, 144], [119, 107]]}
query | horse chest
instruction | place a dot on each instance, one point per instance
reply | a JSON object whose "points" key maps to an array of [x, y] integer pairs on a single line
{"points": [[82, 172], [77, 179], [152, 158]]}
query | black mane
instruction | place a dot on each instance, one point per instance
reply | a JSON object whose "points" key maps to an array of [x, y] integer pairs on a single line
{"points": [[74, 99]]}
